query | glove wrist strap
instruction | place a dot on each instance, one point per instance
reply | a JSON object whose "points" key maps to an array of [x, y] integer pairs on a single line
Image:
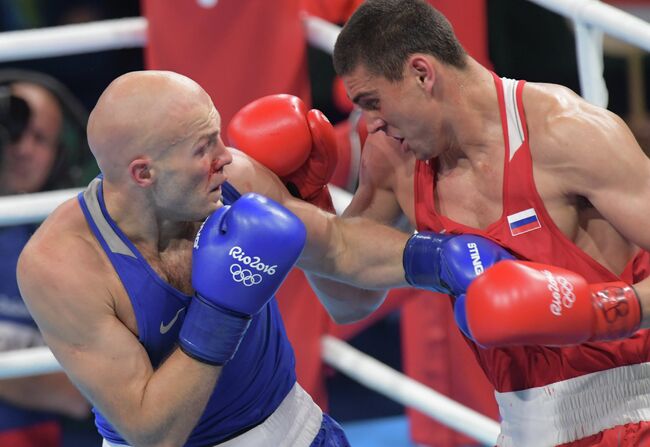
{"points": [[421, 260], [210, 333], [618, 311]]}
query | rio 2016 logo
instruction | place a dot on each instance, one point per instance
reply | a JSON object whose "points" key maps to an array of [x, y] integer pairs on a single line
{"points": [[246, 276], [254, 262]]}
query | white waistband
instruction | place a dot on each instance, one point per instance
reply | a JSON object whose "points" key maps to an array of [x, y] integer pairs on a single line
{"points": [[575, 408], [295, 423]]}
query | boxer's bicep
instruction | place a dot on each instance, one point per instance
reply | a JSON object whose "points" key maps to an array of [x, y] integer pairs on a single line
{"points": [[68, 298]]}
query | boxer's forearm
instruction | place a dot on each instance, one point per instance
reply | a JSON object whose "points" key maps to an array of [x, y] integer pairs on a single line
{"points": [[356, 251]]}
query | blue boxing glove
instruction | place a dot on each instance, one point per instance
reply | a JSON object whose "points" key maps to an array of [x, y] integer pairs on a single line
{"points": [[448, 263], [242, 253]]}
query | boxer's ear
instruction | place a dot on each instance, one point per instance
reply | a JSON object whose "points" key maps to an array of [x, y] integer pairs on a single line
{"points": [[423, 70], [141, 172]]}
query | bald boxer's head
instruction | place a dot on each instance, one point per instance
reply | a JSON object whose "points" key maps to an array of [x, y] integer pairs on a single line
{"points": [[157, 135], [27, 163], [142, 115]]}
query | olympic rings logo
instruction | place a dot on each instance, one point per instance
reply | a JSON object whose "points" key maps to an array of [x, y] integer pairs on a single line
{"points": [[566, 289], [244, 276]]}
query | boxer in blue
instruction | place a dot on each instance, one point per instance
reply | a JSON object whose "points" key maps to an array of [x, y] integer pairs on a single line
{"points": [[173, 336], [171, 329]]}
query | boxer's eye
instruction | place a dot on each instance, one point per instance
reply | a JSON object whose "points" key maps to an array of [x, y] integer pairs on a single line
{"points": [[372, 104]]}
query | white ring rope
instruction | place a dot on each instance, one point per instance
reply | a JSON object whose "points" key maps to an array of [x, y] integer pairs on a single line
{"points": [[609, 19], [115, 34], [32, 208], [73, 39], [590, 18], [378, 377], [321, 34], [27, 362]]}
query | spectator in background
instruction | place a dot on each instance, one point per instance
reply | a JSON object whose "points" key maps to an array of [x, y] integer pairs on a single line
{"points": [[33, 159]]}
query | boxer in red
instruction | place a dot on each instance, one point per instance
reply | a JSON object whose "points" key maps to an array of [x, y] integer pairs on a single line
{"points": [[541, 172]]}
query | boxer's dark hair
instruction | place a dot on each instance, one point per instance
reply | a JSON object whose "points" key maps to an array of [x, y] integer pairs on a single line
{"points": [[382, 34]]}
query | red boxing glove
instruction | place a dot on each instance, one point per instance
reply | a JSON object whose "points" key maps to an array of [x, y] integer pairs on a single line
{"points": [[525, 303], [298, 145]]}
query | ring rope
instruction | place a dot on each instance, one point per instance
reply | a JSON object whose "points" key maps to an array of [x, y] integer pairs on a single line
{"points": [[609, 19], [115, 34], [373, 374], [27, 362], [73, 39], [32, 208]]}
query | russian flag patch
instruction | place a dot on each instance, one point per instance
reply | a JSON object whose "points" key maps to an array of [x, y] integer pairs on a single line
{"points": [[523, 222]]}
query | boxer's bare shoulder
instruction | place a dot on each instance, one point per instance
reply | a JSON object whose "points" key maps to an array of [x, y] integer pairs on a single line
{"points": [[583, 151], [65, 233], [62, 262], [564, 127]]}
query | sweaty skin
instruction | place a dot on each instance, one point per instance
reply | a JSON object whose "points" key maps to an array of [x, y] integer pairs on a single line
{"points": [[579, 152]]}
